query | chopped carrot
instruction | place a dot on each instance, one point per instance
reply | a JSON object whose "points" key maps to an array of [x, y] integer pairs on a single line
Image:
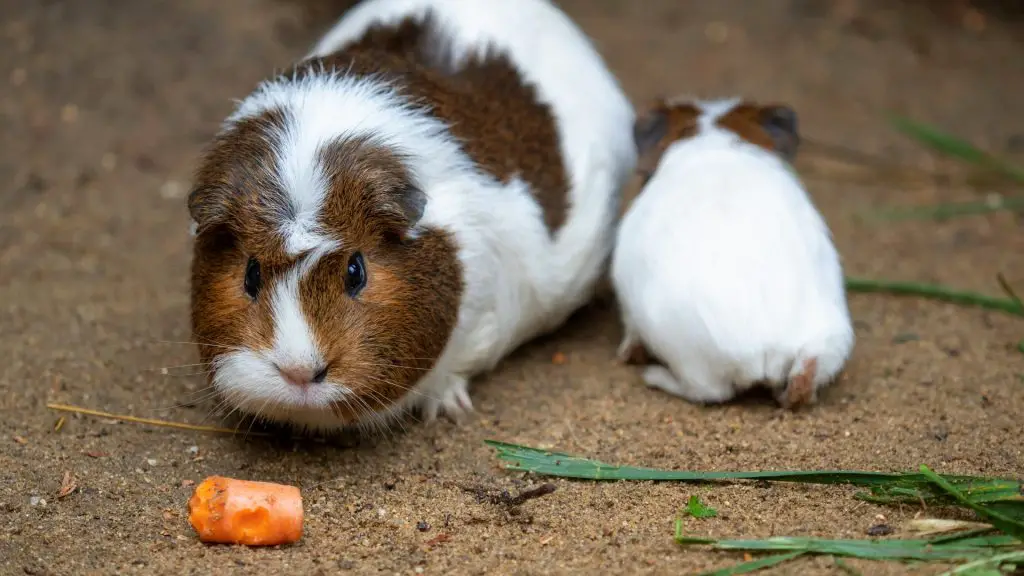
{"points": [[231, 511]]}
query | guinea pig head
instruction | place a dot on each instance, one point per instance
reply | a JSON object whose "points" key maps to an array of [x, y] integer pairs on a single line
{"points": [[772, 127], [318, 297]]}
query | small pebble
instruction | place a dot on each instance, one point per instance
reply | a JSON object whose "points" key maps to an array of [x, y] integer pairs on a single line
{"points": [[422, 526], [109, 161], [37, 501], [717, 32], [69, 114], [193, 450], [151, 461], [172, 190]]}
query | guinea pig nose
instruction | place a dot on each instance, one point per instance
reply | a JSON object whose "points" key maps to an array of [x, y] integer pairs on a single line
{"points": [[302, 375]]}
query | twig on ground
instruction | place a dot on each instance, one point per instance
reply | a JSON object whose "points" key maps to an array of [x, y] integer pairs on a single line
{"points": [[151, 421]]}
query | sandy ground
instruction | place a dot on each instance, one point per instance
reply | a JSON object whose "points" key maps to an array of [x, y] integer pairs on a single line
{"points": [[104, 107]]}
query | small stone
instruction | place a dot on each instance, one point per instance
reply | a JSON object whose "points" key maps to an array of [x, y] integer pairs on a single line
{"points": [[880, 530], [172, 190], [193, 450], [37, 501], [717, 32], [69, 114], [109, 161], [151, 461], [422, 526]]}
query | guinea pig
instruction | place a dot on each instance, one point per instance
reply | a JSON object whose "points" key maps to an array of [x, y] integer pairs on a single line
{"points": [[434, 184], [724, 270]]}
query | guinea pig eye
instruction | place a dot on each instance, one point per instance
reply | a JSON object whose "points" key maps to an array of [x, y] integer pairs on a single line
{"points": [[355, 274], [252, 278]]}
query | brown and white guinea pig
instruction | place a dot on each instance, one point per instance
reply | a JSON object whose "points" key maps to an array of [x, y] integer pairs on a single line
{"points": [[434, 184], [724, 270]]}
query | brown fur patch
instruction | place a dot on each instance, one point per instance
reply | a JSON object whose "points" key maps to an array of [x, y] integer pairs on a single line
{"points": [[495, 116], [749, 121]]}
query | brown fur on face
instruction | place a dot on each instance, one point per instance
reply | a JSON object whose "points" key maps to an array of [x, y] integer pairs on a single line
{"points": [[380, 342], [773, 127]]}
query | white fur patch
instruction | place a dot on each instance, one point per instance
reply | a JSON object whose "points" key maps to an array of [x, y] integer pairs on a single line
{"points": [[294, 342]]}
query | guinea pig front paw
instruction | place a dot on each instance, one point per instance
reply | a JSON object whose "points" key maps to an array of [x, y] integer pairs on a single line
{"points": [[450, 399]]}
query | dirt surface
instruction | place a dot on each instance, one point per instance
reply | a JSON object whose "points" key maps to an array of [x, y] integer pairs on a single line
{"points": [[105, 105]]}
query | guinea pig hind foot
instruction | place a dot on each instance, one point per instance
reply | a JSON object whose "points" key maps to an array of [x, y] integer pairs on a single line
{"points": [[800, 389], [632, 351]]}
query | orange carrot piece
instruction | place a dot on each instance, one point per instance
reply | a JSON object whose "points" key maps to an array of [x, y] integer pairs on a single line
{"points": [[230, 511]]}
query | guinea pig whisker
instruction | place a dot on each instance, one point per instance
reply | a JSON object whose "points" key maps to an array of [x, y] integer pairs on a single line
{"points": [[381, 418], [189, 402], [384, 365], [408, 389], [188, 343]]}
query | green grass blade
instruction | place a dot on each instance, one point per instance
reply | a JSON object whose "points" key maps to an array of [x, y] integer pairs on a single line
{"points": [[1003, 522], [865, 549], [1003, 496], [952, 146], [987, 565], [754, 565], [951, 210], [935, 292]]}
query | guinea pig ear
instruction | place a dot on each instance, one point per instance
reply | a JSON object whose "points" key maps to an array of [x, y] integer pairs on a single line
{"points": [[403, 210], [649, 131], [781, 124], [412, 203], [207, 207]]}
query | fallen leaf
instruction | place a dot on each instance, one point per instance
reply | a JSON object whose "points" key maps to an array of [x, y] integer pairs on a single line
{"points": [[926, 526], [67, 485], [439, 539]]}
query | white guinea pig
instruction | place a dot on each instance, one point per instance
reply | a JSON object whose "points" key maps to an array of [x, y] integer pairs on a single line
{"points": [[434, 184], [725, 272]]}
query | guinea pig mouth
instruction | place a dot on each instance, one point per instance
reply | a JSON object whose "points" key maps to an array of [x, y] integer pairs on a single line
{"points": [[253, 384]]}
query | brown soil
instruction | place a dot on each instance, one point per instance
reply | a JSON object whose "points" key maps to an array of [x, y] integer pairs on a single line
{"points": [[104, 109]]}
